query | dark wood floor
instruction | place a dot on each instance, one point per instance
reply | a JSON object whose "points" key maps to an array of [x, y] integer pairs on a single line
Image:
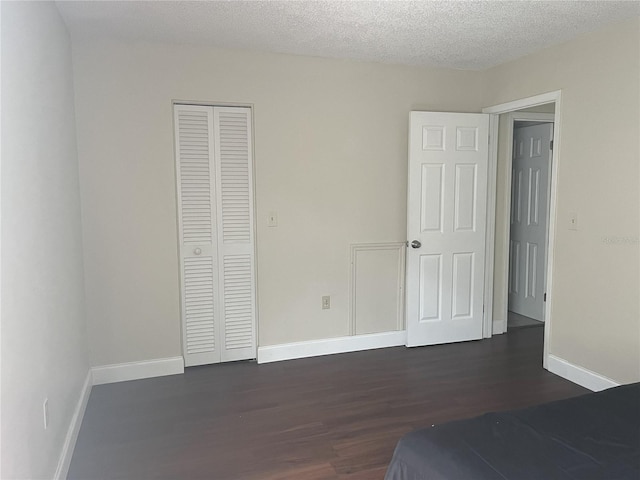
{"points": [[333, 417]]}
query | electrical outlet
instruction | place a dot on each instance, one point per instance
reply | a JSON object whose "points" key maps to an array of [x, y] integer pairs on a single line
{"points": [[45, 411], [326, 302]]}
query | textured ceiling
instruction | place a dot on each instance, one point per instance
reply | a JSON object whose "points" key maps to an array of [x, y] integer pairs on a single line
{"points": [[465, 35]]}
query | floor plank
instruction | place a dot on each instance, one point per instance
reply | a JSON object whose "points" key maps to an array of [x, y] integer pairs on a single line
{"points": [[334, 417]]}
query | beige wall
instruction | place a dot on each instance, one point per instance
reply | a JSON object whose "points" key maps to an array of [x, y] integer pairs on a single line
{"points": [[546, 108], [44, 341], [596, 279], [330, 154], [330, 150]]}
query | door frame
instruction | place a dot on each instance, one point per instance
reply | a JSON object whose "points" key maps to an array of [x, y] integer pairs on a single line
{"points": [[254, 224], [495, 110], [513, 117]]}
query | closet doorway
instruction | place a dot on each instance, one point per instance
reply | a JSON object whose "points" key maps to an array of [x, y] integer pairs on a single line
{"points": [[214, 178]]}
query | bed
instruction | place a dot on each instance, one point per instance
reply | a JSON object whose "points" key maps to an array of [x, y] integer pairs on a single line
{"points": [[593, 436]]}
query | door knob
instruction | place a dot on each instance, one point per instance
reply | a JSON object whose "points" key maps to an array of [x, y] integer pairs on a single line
{"points": [[197, 251], [416, 244]]}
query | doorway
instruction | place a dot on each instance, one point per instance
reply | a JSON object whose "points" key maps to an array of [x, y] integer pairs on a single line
{"points": [[531, 146], [214, 187], [498, 222]]}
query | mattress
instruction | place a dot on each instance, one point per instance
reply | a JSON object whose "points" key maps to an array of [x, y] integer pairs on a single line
{"points": [[593, 436]]}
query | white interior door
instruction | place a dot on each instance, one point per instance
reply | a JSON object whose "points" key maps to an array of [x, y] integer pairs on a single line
{"points": [[529, 219], [215, 218], [446, 224], [236, 257]]}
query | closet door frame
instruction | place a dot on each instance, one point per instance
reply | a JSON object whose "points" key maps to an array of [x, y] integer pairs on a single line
{"points": [[219, 320]]}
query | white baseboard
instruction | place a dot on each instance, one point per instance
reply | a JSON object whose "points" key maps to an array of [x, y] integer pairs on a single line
{"points": [[329, 346], [499, 327], [136, 370], [576, 374], [74, 428]]}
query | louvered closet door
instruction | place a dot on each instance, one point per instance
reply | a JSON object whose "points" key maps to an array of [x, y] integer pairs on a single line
{"points": [[197, 233], [215, 210], [233, 154]]}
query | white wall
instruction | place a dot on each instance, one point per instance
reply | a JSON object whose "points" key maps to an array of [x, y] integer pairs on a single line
{"points": [[44, 342], [330, 154], [596, 279]]}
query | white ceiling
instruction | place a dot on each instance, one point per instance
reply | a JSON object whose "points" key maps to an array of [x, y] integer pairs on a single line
{"points": [[470, 35]]}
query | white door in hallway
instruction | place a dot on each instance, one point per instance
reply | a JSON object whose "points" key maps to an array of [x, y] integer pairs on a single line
{"points": [[529, 219], [446, 226], [214, 172]]}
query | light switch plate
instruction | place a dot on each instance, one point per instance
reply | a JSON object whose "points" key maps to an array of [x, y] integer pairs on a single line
{"points": [[573, 221], [272, 219], [326, 302]]}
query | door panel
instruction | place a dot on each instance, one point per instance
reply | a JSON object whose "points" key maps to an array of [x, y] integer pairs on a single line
{"points": [[199, 304], [529, 203], [197, 233], [465, 198], [431, 204], [430, 287], [234, 169], [462, 285], [448, 158]]}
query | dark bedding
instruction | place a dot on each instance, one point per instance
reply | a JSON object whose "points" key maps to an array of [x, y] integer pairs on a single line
{"points": [[594, 436]]}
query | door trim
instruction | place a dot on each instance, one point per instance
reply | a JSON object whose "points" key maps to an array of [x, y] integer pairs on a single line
{"points": [[494, 111]]}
